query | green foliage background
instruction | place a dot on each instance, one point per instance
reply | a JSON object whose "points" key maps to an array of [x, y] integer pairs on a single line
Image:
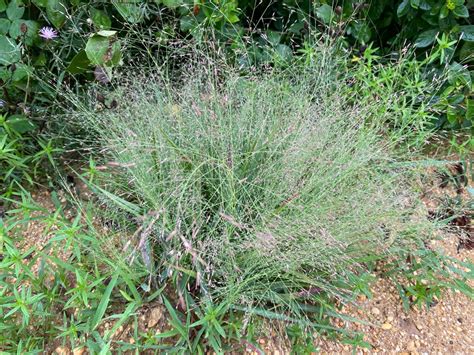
{"points": [[96, 33], [96, 37]]}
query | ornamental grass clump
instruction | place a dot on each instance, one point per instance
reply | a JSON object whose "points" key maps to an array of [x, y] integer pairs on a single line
{"points": [[266, 190]]}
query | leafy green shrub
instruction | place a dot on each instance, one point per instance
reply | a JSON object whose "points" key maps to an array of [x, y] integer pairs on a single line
{"points": [[93, 38], [371, 78], [442, 32]]}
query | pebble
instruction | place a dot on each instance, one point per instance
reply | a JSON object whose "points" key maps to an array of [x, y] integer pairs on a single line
{"points": [[411, 346], [61, 350], [386, 326], [390, 319], [155, 316], [375, 311]]}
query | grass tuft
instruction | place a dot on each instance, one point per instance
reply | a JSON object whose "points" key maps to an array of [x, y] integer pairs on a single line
{"points": [[271, 192]]}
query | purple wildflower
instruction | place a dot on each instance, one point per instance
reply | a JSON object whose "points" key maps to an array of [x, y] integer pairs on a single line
{"points": [[48, 33]]}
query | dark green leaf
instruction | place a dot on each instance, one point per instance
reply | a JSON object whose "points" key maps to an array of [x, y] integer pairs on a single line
{"points": [[361, 32], [466, 53], [96, 49], [426, 38], [325, 13], [40, 3], [20, 124], [187, 23], [32, 28], [130, 11], [9, 51], [456, 99], [56, 12], [467, 33], [5, 74], [3, 5], [15, 10], [4, 26], [444, 12], [459, 74], [376, 9], [103, 50], [41, 60], [283, 52], [100, 19], [21, 71], [403, 8], [425, 5], [461, 11], [172, 4], [415, 3], [470, 117], [273, 37], [452, 115], [79, 63]]}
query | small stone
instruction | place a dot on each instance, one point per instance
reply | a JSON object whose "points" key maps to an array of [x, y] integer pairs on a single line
{"points": [[261, 341], [375, 311], [155, 316], [61, 350], [418, 326], [411, 346], [118, 331], [390, 319], [459, 329], [386, 326]]}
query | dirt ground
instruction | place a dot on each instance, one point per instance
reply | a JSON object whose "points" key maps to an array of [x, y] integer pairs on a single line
{"points": [[445, 328]]}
